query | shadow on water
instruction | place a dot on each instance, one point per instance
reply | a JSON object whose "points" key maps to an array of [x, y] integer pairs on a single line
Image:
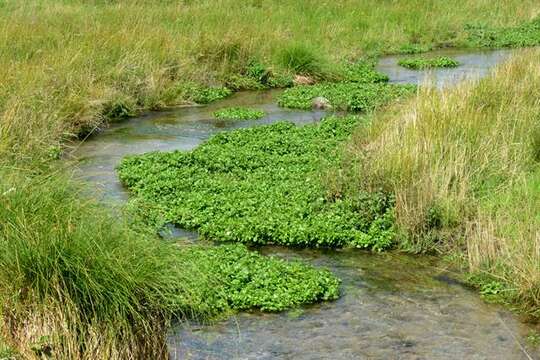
{"points": [[392, 305]]}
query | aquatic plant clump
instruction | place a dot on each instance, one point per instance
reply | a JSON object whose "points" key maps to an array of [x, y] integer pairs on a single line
{"points": [[420, 63], [249, 280], [198, 93], [239, 113], [349, 96], [361, 72], [260, 185]]}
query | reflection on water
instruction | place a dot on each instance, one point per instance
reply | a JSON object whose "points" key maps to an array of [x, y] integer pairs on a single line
{"points": [[392, 306]]}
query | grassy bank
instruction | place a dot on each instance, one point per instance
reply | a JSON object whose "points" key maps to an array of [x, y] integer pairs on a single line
{"points": [[87, 61], [78, 284], [463, 165]]}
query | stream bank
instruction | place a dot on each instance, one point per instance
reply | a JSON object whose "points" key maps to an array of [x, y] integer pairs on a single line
{"points": [[391, 304]]}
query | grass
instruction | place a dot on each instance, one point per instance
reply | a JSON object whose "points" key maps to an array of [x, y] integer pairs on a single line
{"points": [[239, 113], [463, 165], [252, 281], [70, 67], [77, 284], [6, 353], [83, 60], [420, 63], [521, 35], [259, 185]]}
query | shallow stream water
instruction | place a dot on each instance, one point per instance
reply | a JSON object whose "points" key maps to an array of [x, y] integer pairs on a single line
{"points": [[392, 306]]}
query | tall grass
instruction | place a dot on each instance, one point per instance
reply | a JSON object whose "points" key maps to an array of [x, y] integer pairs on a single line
{"points": [[69, 271], [464, 167], [77, 284], [65, 64]]}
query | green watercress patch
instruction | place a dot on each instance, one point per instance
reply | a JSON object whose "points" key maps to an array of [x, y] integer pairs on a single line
{"points": [[351, 96], [249, 280], [420, 63], [260, 185], [239, 113]]}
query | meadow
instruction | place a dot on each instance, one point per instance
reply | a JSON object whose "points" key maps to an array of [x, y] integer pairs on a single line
{"points": [[77, 282]]}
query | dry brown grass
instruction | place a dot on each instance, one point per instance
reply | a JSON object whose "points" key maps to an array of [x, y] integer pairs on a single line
{"points": [[463, 166]]}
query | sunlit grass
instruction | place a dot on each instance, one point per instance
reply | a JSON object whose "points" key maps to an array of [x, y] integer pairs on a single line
{"points": [[463, 166]]}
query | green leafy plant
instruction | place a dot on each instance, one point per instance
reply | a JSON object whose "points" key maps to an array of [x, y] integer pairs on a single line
{"points": [[256, 76], [239, 113], [249, 280], [198, 93], [279, 80], [361, 72], [259, 185], [413, 49], [428, 63], [350, 96]]}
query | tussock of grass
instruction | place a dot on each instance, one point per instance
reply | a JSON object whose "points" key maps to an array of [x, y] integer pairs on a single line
{"points": [[75, 284], [303, 60], [463, 167], [259, 185], [86, 284], [420, 63], [239, 113]]}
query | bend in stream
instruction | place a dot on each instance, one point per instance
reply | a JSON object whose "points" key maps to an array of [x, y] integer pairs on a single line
{"points": [[392, 306]]}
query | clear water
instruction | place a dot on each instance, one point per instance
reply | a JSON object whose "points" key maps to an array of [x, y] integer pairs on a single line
{"points": [[392, 306], [473, 65]]}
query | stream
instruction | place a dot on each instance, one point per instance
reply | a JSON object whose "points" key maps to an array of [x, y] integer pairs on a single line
{"points": [[393, 306]]}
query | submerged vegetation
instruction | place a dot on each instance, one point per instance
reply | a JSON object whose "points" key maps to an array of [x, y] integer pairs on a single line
{"points": [[239, 113], [259, 185], [419, 63], [464, 168]]}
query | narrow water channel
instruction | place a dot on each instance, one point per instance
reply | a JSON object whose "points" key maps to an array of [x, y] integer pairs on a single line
{"points": [[392, 306]]}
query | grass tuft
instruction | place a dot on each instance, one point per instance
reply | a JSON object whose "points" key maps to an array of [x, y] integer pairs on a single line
{"points": [[303, 60]]}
